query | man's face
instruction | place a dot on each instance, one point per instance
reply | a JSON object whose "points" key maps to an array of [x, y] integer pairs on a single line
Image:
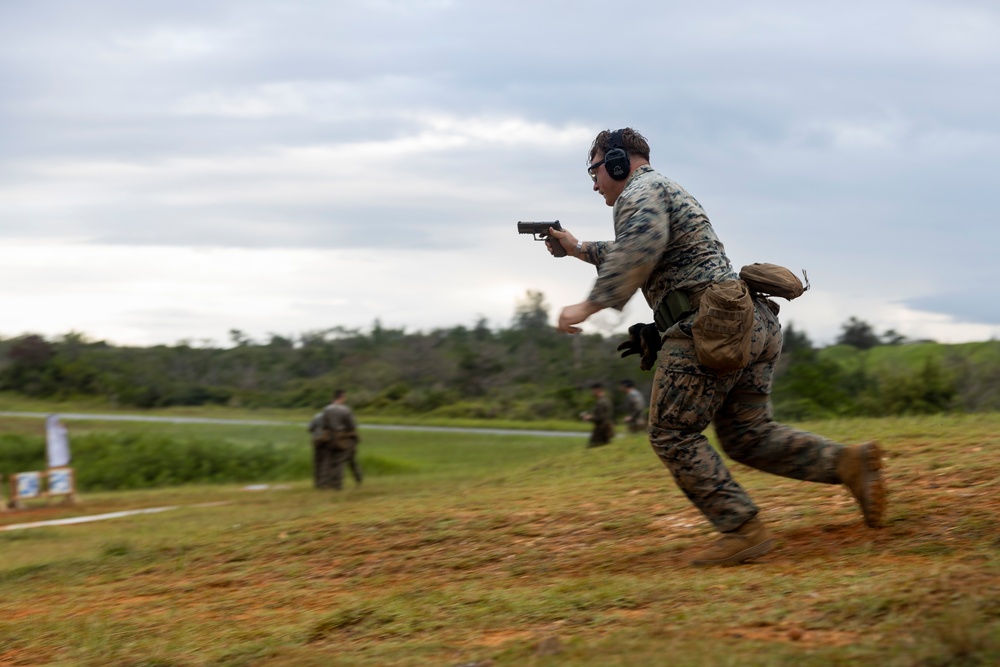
{"points": [[606, 186]]}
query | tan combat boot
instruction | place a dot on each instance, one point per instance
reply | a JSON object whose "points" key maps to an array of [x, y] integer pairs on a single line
{"points": [[860, 470], [749, 541]]}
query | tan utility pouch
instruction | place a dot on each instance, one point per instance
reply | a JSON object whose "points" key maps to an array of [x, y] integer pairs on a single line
{"points": [[323, 436], [723, 326], [773, 280], [345, 439]]}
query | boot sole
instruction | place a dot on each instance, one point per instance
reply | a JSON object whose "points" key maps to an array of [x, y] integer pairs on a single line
{"points": [[872, 499], [756, 551]]}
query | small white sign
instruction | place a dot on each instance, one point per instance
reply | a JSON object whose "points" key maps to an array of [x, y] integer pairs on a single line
{"points": [[28, 484], [60, 481]]}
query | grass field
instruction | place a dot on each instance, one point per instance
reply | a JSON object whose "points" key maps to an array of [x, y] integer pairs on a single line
{"points": [[17, 403], [515, 550]]}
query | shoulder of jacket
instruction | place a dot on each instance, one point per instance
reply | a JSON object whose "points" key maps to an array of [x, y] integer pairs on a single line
{"points": [[642, 182]]}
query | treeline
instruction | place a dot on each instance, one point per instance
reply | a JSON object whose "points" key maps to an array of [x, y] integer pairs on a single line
{"points": [[865, 374], [525, 371]]}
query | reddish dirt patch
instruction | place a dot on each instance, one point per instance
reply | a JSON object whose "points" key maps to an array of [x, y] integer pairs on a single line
{"points": [[789, 633]]}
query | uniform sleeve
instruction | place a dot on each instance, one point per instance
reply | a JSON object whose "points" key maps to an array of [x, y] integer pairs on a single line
{"points": [[596, 252], [642, 231]]}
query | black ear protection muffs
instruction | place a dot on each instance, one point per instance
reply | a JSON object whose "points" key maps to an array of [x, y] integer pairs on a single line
{"points": [[616, 160]]}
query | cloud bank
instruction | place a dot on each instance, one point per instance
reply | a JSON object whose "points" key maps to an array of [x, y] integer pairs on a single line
{"points": [[174, 171]]}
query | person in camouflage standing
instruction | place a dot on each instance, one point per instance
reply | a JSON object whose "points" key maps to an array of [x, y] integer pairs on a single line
{"points": [[636, 418], [602, 416], [335, 443], [321, 449], [665, 245]]}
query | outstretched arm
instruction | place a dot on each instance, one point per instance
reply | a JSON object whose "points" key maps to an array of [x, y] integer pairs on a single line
{"points": [[575, 314]]}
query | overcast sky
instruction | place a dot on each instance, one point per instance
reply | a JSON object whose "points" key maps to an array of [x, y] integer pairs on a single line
{"points": [[172, 171]]}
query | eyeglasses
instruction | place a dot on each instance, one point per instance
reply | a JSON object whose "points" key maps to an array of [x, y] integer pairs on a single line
{"points": [[592, 169]]}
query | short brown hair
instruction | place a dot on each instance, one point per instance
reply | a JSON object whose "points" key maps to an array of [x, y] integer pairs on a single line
{"points": [[635, 143]]}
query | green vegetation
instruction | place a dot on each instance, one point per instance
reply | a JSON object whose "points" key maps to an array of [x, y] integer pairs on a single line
{"points": [[511, 550], [912, 379], [525, 373], [149, 460], [137, 455]]}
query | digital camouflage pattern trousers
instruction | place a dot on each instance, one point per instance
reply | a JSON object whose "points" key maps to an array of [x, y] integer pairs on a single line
{"points": [[687, 397], [602, 434], [328, 465]]}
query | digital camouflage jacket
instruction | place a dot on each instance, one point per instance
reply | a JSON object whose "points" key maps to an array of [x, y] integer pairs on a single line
{"points": [[663, 241]]}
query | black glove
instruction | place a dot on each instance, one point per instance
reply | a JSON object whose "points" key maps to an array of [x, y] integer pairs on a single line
{"points": [[649, 337], [644, 340], [634, 344]]}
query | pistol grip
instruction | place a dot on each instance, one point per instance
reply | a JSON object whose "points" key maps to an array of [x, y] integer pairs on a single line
{"points": [[555, 246]]}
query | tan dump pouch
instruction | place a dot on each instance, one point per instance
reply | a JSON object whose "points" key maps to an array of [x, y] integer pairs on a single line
{"points": [[323, 436], [723, 326], [772, 280], [345, 439]]}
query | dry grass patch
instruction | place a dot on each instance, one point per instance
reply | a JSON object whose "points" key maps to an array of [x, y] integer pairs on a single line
{"points": [[576, 559]]}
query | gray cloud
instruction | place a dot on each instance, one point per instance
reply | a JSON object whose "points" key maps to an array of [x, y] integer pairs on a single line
{"points": [[857, 139], [967, 304]]}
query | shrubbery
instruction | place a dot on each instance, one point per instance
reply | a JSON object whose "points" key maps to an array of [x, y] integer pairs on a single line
{"points": [[819, 384], [525, 372], [119, 461], [147, 460]]}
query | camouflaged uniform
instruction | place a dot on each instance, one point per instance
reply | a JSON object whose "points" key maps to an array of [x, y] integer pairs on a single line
{"points": [[664, 241], [320, 451], [329, 458], [604, 423], [636, 410]]}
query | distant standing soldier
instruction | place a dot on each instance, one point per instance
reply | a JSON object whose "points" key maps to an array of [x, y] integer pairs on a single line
{"points": [[602, 417], [636, 418], [321, 448], [335, 442]]}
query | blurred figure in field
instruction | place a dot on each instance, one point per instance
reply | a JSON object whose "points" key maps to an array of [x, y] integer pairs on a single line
{"points": [[335, 442], [636, 417], [602, 416]]}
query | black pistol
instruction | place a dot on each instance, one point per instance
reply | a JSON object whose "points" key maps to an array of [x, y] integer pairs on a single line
{"points": [[540, 232]]}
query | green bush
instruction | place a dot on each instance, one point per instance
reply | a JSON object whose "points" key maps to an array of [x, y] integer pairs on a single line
{"points": [[115, 461], [144, 460], [21, 453], [119, 461], [925, 392]]}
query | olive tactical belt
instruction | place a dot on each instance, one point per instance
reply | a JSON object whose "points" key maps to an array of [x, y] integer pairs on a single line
{"points": [[674, 307]]}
